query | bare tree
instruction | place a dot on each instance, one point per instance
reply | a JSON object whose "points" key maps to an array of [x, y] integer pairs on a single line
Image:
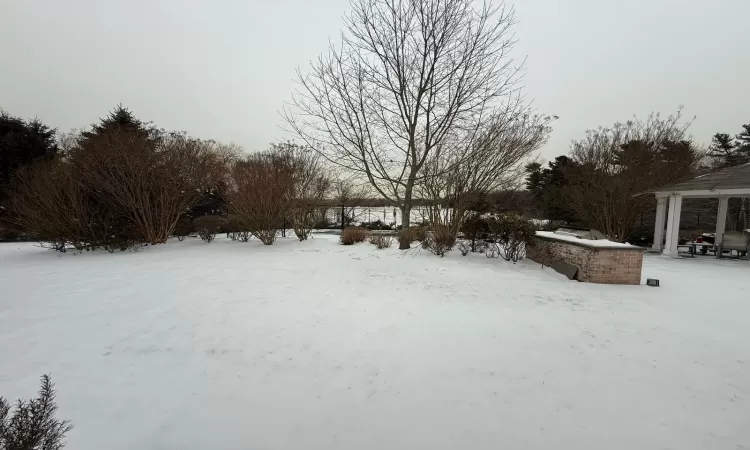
{"points": [[616, 169], [463, 179], [261, 193], [309, 185], [408, 77]]}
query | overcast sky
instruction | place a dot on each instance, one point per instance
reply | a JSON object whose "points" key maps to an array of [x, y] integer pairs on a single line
{"points": [[223, 69]]}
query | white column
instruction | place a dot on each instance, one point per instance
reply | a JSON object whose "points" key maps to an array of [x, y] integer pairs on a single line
{"points": [[721, 220], [661, 209], [673, 226]]}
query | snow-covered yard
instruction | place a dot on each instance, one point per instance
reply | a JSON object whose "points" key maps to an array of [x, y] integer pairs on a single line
{"points": [[319, 346]]}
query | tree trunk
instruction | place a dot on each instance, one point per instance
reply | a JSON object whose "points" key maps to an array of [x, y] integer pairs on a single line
{"points": [[343, 212], [405, 214]]}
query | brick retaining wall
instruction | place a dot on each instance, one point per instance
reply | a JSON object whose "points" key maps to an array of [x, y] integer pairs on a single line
{"points": [[596, 264]]}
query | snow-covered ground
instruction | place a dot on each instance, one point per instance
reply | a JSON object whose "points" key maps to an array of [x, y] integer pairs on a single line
{"points": [[319, 346]]}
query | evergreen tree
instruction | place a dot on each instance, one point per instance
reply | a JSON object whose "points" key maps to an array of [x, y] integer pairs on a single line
{"points": [[21, 143], [545, 184], [728, 151], [121, 119], [743, 142]]}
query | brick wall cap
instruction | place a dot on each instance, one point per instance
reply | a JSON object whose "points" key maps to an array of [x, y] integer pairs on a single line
{"points": [[600, 244]]}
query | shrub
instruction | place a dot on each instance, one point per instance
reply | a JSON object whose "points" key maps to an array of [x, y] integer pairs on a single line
{"points": [[352, 235], [33, 424], [440, 240], [235, 229], [419, 233], [54, 204], [464, 247], [208, 227], [114, 189], [151, 180], [376, 225], [476, 228], [261, 194], [183, 228], [511, 235], [381, 241]]}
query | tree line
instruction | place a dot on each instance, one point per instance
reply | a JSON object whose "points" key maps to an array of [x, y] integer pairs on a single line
{"points": [[124, 182], [418, 103], [606, 178]]}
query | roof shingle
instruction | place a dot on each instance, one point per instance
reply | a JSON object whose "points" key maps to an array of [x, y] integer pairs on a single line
{"points": [[737, 177]]}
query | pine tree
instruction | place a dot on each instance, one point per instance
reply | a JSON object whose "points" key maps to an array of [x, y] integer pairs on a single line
{"points": [[546, 183], [743, 143], [728, 151], [121, 119], [21, 143]]}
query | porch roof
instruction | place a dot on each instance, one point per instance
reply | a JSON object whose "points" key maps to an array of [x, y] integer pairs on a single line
{"points": [[729, 182]]}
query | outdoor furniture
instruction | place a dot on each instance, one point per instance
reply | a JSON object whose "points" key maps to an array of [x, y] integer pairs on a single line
{"points": [[686, 248], [732, 182], [702, 247], [735, 240]]}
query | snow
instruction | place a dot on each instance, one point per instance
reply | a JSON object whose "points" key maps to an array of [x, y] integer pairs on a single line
{"points": [[314, 345], [386, 214], [601, 243]]}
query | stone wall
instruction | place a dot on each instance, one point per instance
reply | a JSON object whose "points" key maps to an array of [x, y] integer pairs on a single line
{"points": [[596, 264]]}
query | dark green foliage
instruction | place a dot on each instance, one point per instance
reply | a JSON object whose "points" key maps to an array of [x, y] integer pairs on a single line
{"points": [[32, 424], [510, 235], [728, 151], [376, 225], [546, 185], [208, 227], [476, 228], [120, 120], [183, 228], [21, 143]]}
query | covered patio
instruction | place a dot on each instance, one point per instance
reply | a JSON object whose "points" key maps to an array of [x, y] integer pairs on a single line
{"points": [[733, 182]]}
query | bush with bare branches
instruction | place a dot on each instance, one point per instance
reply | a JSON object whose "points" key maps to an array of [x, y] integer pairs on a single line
{"points": [[261, 194], [53, 203], [352, 235], [459, 182], [440, 240], [381, 241], [309, 185]]}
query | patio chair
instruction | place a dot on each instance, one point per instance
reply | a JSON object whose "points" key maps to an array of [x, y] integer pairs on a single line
{"points": [[735, 240]]}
